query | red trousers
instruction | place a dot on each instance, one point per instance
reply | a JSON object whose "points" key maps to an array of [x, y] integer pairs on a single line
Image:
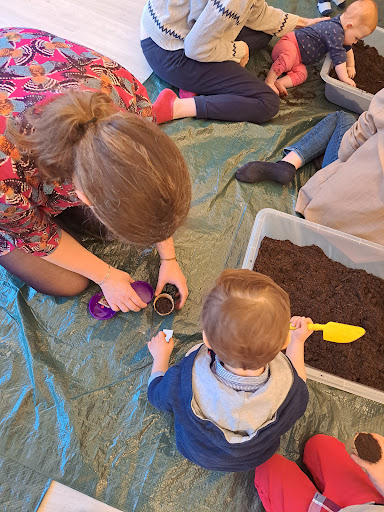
{"points": [[283, 487], [287, 59]]}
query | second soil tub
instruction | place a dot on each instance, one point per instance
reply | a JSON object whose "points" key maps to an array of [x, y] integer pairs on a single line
{"points": [[343, 94]]}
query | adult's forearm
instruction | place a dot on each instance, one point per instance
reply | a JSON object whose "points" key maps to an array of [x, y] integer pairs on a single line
{"points": [[308, 22], [73, 256], [268, 19], [166, 249], [301, 23]]}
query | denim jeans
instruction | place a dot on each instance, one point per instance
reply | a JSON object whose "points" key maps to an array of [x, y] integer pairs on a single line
{"points": [[324, 138]]}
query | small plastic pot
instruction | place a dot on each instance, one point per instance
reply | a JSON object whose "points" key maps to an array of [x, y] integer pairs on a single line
{"points": [[144, 290], [100, 311], [99, 308], [164, 304]]}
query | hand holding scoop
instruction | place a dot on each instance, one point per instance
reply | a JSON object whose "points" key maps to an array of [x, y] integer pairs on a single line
{"points": [[338, 333]]}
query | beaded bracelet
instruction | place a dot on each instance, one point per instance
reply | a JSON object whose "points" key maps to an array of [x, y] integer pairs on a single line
{"points": [[167, 259], [106, 277]]}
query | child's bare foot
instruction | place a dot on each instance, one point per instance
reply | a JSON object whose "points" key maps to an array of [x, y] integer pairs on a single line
{"points": [[280, 87], [272, 86]]}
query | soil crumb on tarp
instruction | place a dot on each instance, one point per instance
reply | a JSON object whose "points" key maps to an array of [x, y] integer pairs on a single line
{"points": [[328, 291], [368, 448], [369, 66]]}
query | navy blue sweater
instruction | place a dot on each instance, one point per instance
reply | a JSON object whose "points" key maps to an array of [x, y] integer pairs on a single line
{"points": [[201, 441], [327, 36]]}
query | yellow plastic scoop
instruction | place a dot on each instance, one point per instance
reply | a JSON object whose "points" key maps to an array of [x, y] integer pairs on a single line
{"points": [[338, 333]]}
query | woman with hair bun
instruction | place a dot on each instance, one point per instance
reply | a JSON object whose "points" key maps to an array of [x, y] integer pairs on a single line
{"points": [[77, 129]]}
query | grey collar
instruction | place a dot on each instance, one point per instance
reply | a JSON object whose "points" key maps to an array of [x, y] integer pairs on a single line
{"points": [[237, 382]]}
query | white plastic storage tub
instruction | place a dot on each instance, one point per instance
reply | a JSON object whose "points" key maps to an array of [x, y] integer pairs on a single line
{"points": [[349, 250], [343, 94]]}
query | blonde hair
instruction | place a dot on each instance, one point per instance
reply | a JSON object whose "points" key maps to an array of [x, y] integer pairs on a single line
{"points": [[365, 12], [133, 175], [246, 318]]}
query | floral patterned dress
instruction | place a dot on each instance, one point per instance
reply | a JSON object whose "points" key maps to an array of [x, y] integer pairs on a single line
{"points": [[34, 65]]}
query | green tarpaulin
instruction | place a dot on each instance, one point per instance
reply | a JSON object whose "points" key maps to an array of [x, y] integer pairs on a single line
{"points": [[73, 389]]}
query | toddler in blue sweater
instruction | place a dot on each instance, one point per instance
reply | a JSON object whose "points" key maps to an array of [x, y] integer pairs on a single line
{"points": [[236, 394]]}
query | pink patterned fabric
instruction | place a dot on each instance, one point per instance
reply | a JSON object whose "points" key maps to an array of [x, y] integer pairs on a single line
{"points": [[34, 65]]}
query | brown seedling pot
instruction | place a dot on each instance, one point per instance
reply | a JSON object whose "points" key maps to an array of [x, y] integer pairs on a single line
{"points": [[365, 446], [164, 304]]}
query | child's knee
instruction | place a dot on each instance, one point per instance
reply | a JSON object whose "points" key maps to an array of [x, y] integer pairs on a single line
{"points": [[280, 66], [275, 466], [298, 76], [345, 117], [283, 61], [321, 443]]}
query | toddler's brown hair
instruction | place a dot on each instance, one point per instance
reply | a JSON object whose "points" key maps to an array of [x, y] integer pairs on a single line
{"points": [[246, 318], [132, 173]]}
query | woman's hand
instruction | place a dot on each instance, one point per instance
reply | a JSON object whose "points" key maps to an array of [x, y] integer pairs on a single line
{"points": [[307, 22], [170, 272], [119, 293]]}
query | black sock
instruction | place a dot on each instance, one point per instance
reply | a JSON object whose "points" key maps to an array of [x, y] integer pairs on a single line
{"points": [[253, 172]]}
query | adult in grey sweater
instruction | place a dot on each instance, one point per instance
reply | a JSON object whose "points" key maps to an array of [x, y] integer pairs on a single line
{"points": [[203, 46]]}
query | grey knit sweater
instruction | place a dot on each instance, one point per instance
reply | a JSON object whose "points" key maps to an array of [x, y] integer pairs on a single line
{"points": [[207, 29]]}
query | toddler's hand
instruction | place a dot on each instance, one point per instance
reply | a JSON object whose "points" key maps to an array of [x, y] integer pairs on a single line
{"points": [[159, 348], [302, 332], [351, 70], [349, 81]]}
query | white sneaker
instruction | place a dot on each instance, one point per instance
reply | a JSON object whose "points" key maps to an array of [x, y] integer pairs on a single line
{"points": [[325, 8], [339, 3]]}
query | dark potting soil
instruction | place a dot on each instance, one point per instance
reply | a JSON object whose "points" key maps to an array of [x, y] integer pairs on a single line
{"points": [[172, 290], [368, 448], [369, 68], [325, 290], [163, 305]]}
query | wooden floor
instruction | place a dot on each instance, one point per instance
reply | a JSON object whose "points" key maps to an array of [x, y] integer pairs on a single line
{"points": [[110, 27]]}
